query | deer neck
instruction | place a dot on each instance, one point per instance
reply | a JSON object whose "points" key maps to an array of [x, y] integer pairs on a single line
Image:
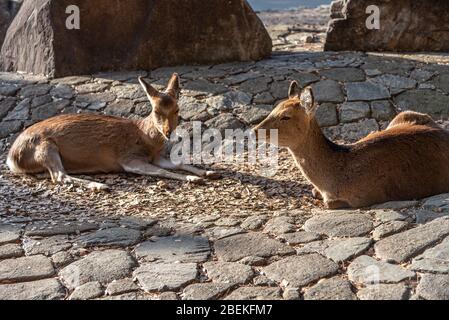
{"points": [[150, 133], [317, 157]]}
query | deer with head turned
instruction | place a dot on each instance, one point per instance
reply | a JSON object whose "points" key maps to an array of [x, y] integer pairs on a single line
{"points": [[89, 144], [409, 160]]}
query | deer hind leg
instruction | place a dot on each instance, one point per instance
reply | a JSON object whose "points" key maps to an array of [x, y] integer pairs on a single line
{"points": [[413, 118], [169, 165], [47, 155], [142, 167]]}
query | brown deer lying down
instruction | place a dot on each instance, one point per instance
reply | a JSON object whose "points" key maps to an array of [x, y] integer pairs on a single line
{"points": [[88, 143], [408, 160]]}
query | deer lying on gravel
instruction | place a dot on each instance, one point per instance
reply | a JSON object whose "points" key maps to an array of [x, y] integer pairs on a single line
{"points": [[409, 160], [88, 144]]}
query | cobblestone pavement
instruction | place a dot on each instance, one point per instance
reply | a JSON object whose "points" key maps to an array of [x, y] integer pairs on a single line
{"points": [[242, 237]]}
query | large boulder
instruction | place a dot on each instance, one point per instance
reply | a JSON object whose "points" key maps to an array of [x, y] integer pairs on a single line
{"points": [[8, 9], [131, 34], [405, 25]]}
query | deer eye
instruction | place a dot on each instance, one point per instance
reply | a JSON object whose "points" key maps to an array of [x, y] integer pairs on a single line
{"points": [[286, 118]]}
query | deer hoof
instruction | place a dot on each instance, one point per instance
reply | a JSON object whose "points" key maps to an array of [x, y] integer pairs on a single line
{"points": [[94, 186], [212, 175], [195, 180]]}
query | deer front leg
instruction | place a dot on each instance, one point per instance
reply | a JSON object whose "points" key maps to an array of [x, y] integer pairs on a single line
{"points": [[142, 167], [169, 165]]}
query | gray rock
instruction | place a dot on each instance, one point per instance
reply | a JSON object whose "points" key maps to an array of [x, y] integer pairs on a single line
{"points": [[437, 203], [6, 105], [346, 249], [300, 237], [120, 76], [300, 271], [46, 246], [88, 291], [102, 266], [49, 110], [395, 84], [367, 270], [355, 131], [62, 91], [331, 289], [26, 269], [255, 114], [118, 237], [280, 225], [21, 111], [190, 107], [304, 78], [48, 289], [224, 121], [34, 90], [165, 276], [168, 296], [291, 294], [255, 293], [389, 228], [442, 82], [8, 89], [337, 249], [403, 246], [10, 250], [43, 229], [91, 87], [205, 291], [61, 259], [257, 85], [253, 261], [72, 81], [137, 223], [227, 222], [201, 87], [264, 98], [326, 115], [353, 111], [9, 233], [253, 222], [279, 89], [384, 292], [382, 110], [9, 127], [121, 286], [433, 287], [229, 272], [328, 91], [421, 75], [157, 230], [38, 101], [434, 260], [390, 215], [240, 246], [366, 91], [340, 224], [222, 232], [425, 216], [120, 108], [396, 205], [129, 92], [179, 248], [344, 74], [425, 101]]}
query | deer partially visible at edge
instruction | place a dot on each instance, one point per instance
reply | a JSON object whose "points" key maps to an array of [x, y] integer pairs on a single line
{"points": [[88, 144], [409, 160]]}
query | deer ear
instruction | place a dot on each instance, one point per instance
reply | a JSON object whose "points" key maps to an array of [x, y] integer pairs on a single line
{"points": [[149, 89], [308, 100], [294, 90], [174, 87]]}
